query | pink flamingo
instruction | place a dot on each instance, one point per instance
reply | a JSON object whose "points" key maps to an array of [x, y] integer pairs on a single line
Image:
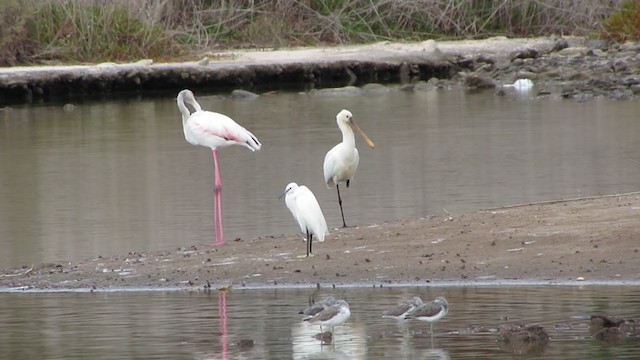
{"points": [[213, 130]]}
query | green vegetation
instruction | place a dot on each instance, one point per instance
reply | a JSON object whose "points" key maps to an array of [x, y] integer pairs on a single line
{"points": [[36, 31], [624, 24]]}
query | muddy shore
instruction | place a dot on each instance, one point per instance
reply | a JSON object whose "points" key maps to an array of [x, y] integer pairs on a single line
{"points": [[568, 67], [573, 241]]}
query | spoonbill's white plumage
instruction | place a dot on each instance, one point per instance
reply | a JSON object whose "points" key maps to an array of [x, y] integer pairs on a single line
{"points": [[213, 130], [305, 209], [341, 161]]}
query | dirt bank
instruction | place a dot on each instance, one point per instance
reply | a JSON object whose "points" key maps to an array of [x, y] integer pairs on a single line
{"points": [[590, 239], [569, 67]]}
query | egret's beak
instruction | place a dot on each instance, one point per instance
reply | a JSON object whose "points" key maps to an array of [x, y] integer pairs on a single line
{"points": [[283, 193], [364, 136]]}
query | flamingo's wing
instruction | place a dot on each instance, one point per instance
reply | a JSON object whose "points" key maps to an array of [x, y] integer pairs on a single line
{"points": [[216, 130]]}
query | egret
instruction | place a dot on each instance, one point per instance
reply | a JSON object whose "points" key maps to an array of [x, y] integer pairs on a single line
{"points": [[213, 130], [430, 312], [305, 209], [401, 310], [341, 161], [332, 316]]}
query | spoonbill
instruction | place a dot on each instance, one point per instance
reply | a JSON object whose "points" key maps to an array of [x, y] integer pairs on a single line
{"points": [[430, 312], [341, 161], [332, 316], [305, 209], [215, 131]]}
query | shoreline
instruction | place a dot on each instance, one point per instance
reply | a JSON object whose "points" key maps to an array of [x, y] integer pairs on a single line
{"points": [[575, 242], [566, 67]]}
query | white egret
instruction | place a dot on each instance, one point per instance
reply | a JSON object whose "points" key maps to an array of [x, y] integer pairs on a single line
{"points": [[305, 209], [213, 130], [341, 161]]}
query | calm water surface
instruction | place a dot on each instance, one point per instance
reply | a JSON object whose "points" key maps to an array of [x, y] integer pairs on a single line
{"points": [[118, 176], [180, 325]]}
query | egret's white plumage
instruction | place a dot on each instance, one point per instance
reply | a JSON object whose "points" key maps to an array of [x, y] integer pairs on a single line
{"points": [[213, 130], [341, 161], [305, 209]]}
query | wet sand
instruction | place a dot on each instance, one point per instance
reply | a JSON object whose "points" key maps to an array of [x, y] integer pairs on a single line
{"points": [[568, 241]]}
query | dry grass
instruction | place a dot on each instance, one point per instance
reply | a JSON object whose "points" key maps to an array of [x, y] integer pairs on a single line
{"points": [[122, 30]]}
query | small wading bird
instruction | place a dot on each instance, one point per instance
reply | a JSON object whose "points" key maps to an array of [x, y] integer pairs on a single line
{"points": [[341, 161], [318, 306], [430, 312], [401, 310], [213, 130], [332, 316], [305, 209]]}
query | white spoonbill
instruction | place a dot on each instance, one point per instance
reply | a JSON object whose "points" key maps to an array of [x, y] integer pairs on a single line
{"points": [[341, 161], [305, 209], [213, 130]]}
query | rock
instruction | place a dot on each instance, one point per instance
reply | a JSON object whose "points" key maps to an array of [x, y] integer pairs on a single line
{"points": [[374, 88], [520, 339], [614, 330], [475, 81], [596, 52], [342, 91], [597, 44], [560, 44], [630, 46], [432, 84], [68, 107], [243, 94], [631, 80], [574, 51], [485, 59], [635, 89], [525, 54]]}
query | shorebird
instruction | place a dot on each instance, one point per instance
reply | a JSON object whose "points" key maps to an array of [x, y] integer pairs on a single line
{"points": [[401, 310], [430, 312], [332, 316], [317, 307], [305, 209], [341, 161], [215, 131]]}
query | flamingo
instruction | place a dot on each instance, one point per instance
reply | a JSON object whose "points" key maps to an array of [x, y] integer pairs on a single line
{"points": [[341, 161], [305, 209], [215, 131]]}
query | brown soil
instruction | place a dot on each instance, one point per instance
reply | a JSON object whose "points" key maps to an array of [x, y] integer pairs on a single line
{"points": [[594, 239]]}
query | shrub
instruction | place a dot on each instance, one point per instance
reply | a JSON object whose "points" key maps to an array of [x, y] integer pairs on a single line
{"points": [[624, 24]]}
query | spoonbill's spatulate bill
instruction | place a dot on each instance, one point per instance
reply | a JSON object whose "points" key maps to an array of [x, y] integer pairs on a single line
{"points": [[305, 209], [341, 161], [213, 130]]}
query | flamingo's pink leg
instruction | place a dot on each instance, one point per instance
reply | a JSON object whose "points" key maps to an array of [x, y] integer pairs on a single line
{"points": [[217, 202]]}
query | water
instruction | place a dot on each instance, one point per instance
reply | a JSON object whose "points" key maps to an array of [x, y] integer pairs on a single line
{"points": [[118, 176], [178, 325]]}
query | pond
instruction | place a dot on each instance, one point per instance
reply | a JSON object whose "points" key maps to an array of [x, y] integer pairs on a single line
{"points": [[264, 324], [116, 176]]}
